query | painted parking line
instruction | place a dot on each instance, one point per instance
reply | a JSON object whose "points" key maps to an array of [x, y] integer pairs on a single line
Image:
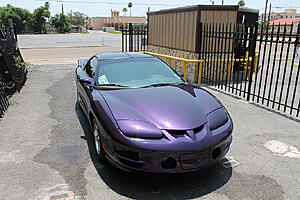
{"points": [[230, 162]]}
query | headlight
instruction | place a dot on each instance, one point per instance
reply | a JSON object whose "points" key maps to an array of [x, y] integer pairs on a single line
{"points": [[217, 118], [139, 129]]}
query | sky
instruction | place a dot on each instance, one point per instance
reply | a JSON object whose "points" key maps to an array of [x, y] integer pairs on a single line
{"points": [[100, 9]]}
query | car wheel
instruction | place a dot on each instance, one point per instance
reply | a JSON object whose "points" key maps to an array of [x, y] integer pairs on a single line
{"points": [[79, 99], [97, 142]]}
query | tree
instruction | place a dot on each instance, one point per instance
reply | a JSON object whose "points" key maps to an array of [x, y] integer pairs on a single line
{"points": [[125, 10], [241, 3], [39, 17], [21, 17], [61, 23], [130, 6], [77, 18]]}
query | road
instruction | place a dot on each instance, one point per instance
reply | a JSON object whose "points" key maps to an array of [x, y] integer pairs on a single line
{"points": [[93, 39], [46, 154]]}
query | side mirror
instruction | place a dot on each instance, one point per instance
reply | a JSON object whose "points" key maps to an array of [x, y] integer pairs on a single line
{"points": [[88, 81], [180, 74]]}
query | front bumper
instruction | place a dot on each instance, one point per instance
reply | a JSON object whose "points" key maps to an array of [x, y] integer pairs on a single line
{"points": [[130, 159]]}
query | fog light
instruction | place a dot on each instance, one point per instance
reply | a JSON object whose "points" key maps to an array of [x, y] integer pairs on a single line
{"points": [[216, 153], [168, 163]]}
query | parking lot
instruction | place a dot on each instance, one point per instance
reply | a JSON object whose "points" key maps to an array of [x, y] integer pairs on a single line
{"points": [[45, 148]]}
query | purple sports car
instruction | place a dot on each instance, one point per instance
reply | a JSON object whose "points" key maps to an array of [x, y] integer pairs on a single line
{"points": [[145, 117]]}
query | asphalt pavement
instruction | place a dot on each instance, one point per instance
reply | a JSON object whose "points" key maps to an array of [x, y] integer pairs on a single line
{"points": [[46, 152], [91, 39]]}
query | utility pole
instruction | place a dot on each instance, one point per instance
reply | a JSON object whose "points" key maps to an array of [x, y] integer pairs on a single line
{"points": [[62, 9], [111, 17], [71, 14]]}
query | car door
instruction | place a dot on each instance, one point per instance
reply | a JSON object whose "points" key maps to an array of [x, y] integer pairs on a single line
{"points": [[86, 90]]}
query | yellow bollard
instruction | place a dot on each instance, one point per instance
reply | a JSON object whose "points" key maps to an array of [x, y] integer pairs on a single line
{"points": [[256, 61], [246, 65], [229, 72], [169, 62], [200, 72], [184, 69]]}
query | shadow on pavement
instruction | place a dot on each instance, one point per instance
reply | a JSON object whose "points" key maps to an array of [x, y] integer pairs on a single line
{"points": [[154, 186]]}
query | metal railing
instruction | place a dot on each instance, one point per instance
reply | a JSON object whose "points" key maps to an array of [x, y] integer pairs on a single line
{"points": [[258, 64], [12, 67], [247, 61], [134, 37]]}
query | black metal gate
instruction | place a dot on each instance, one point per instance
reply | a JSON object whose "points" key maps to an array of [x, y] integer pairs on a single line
{"points": [[260, 64], [134, 38], [263, 68]]}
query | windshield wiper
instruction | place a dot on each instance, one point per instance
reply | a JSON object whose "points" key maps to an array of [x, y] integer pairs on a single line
{"points": [[112, 84], [163, 84]]}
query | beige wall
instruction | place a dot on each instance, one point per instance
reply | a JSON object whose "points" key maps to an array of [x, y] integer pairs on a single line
{"points": [[218, 16], [178, 30], [174, 30]]}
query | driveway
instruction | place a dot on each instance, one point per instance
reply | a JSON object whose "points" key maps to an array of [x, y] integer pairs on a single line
{"points": [[45, 152]]}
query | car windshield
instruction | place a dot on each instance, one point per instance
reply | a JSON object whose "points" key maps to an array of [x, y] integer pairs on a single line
{"points": [[135, 72]]}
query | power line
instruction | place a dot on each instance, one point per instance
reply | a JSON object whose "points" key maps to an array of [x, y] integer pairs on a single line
{"points": [[110, 3]]}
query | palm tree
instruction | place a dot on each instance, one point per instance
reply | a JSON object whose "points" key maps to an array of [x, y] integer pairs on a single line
{"points": [[125, 10], [241, 3], [130, 6]]}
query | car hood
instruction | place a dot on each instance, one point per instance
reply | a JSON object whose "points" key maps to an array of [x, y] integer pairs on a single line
{"points": [[178, 107]]}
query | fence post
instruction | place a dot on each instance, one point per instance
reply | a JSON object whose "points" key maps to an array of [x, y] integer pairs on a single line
{"points": [[122, 29], [252, 54], [200, 65], [130, 37]]}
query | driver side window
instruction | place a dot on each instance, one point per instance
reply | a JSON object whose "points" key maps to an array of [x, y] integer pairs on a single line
{"points": [[90, 67]]}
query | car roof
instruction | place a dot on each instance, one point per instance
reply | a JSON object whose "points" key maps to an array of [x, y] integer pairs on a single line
{"points": [[122, 55]]}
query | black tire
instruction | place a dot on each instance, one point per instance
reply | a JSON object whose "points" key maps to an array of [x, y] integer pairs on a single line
{"points": [[97, 142]]}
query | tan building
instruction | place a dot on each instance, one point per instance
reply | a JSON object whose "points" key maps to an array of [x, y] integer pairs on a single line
{"points": [[97, 23], [288, 13], [290, 22]]}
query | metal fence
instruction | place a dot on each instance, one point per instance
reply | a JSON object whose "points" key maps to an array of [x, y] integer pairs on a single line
{"points": [[260, 65], [271, 79], [12, 66], [134, 37]]}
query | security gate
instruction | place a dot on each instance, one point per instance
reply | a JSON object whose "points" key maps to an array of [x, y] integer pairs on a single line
{"points": [[256, 63], [134, 37]]}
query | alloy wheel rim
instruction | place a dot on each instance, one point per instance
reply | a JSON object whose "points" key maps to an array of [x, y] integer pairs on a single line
{"points": [[97, 140], [78, 97]]}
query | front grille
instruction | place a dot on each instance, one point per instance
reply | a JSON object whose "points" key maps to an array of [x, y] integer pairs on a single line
{"points": [[177, 133], [198, 129], [182, 133]]}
